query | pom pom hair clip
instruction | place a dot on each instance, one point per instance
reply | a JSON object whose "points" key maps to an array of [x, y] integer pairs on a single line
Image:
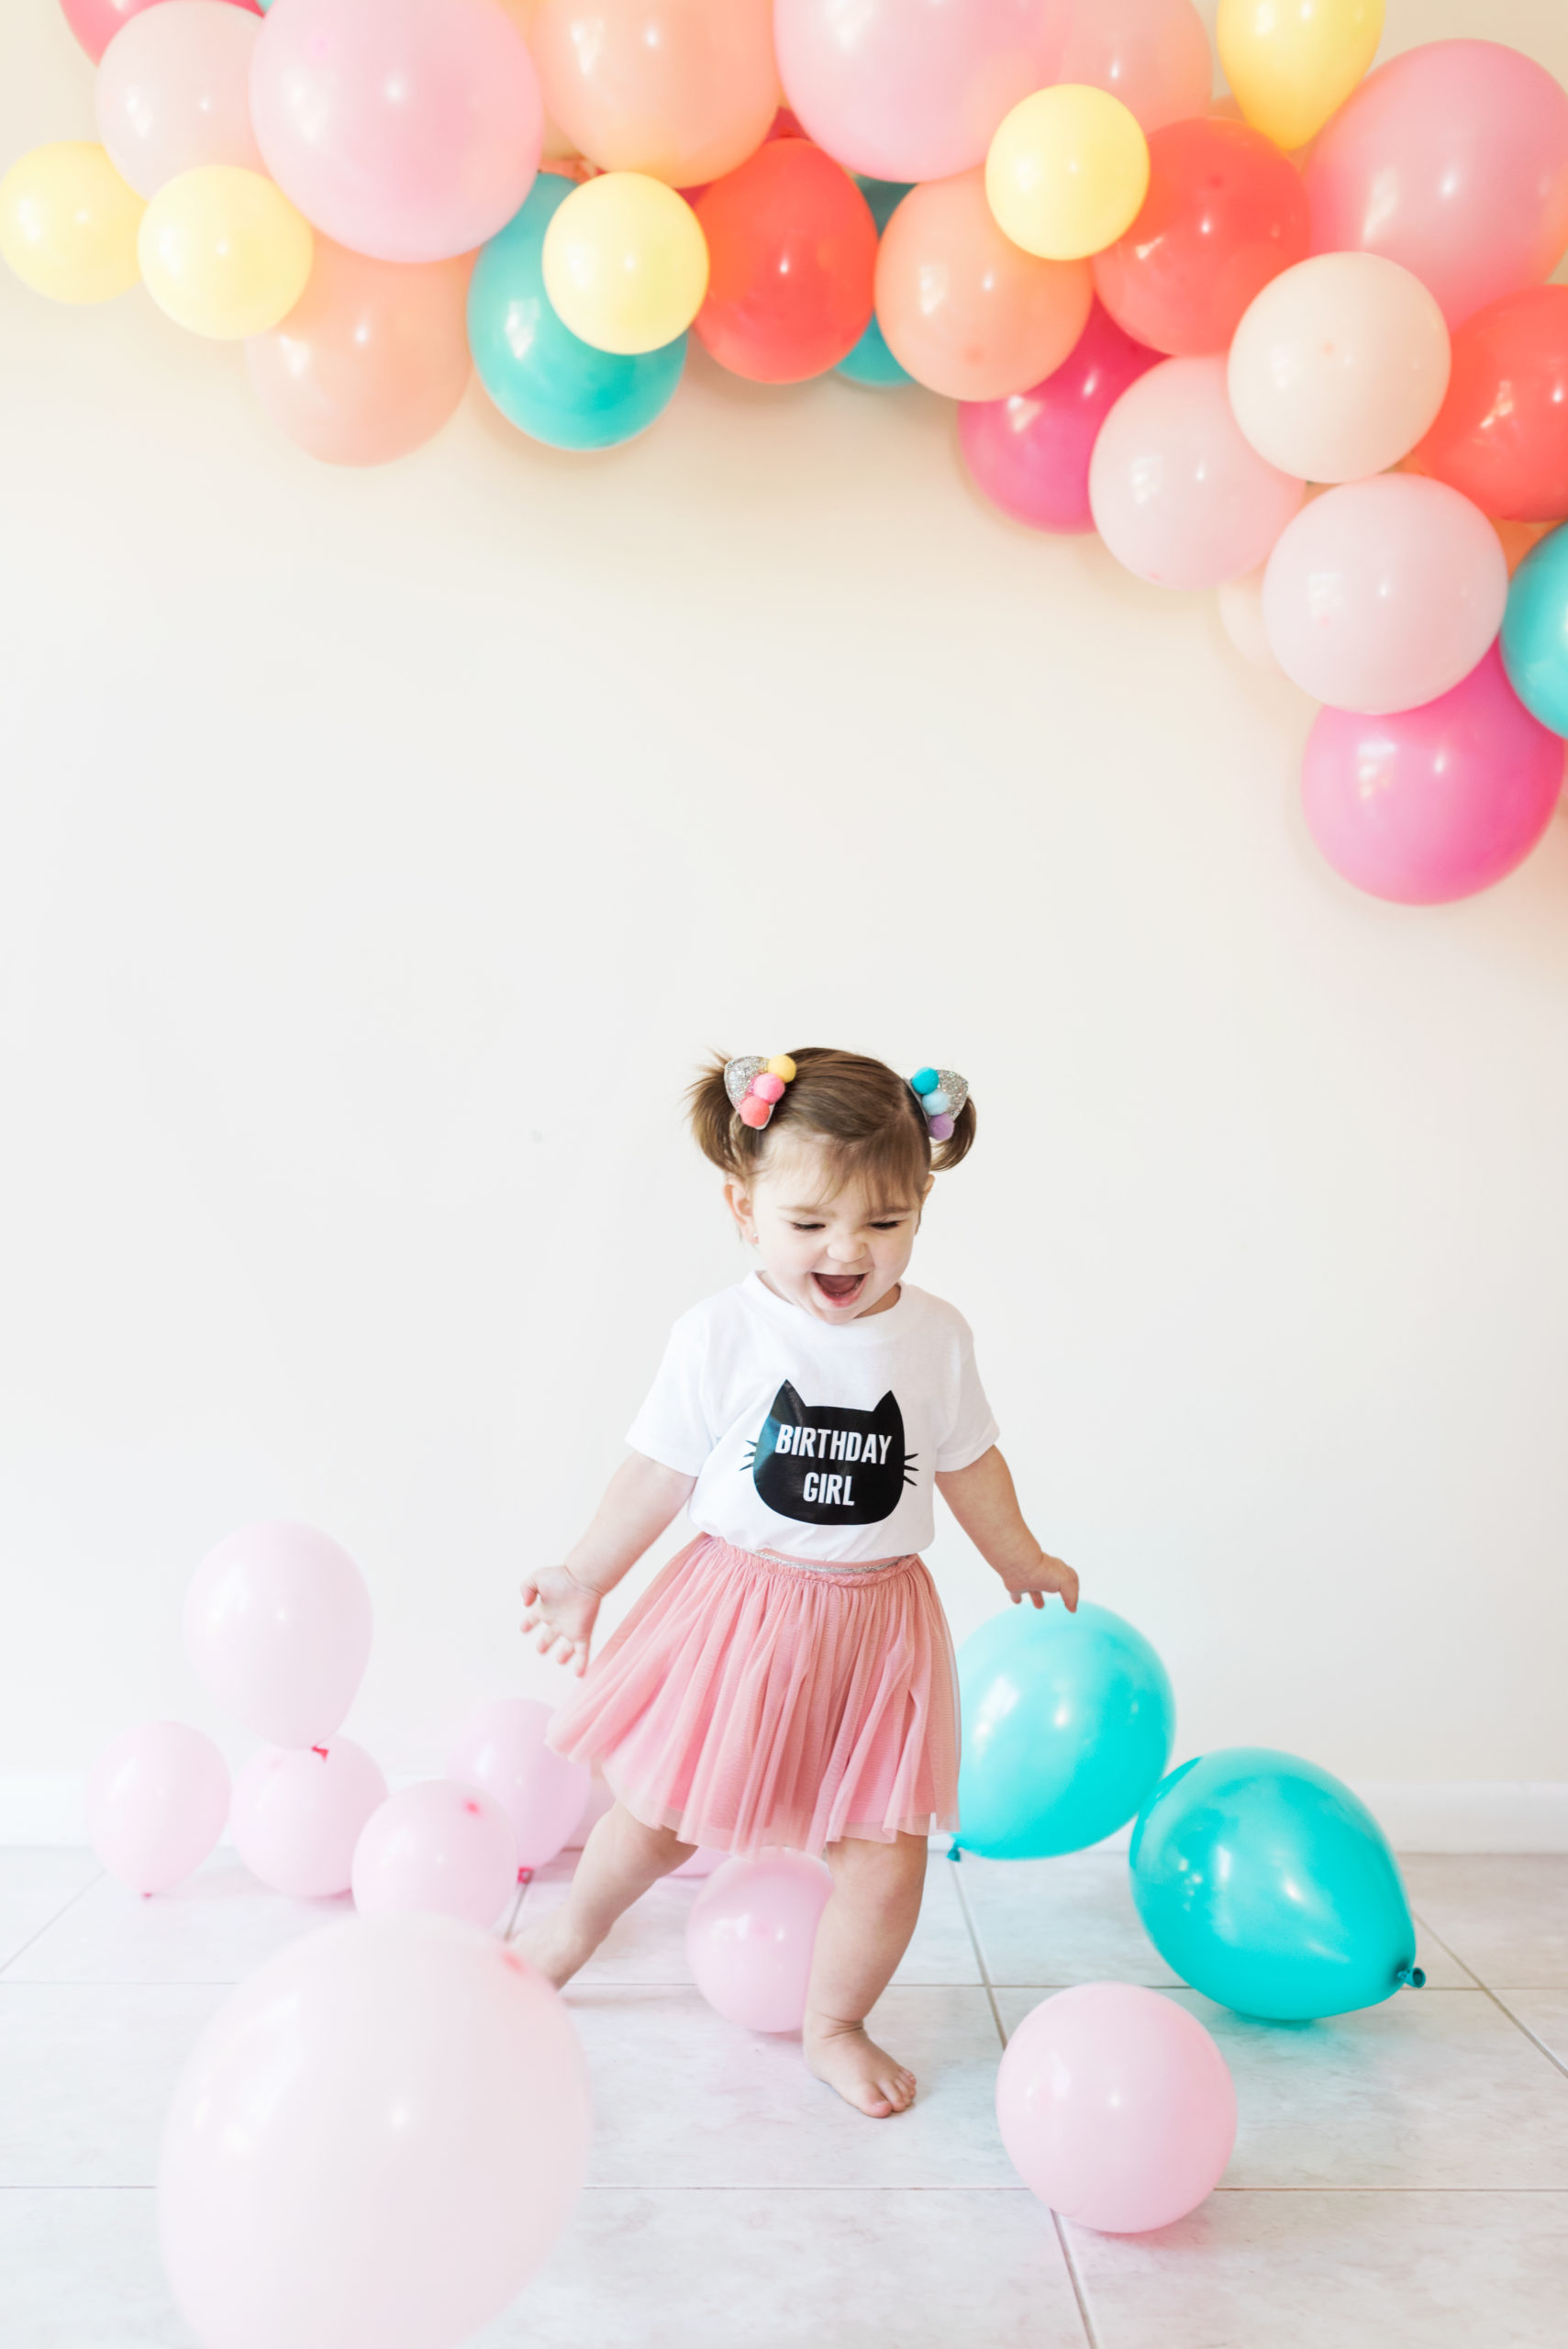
{"points": [[941, 1092], [755, 1085]]}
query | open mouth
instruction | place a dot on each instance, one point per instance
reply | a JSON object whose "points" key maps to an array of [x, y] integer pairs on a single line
{"points": [[840, 1288]]}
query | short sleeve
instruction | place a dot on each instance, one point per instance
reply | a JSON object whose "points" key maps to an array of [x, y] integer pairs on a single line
{"points": [[672, 1427], [974, 1431]]}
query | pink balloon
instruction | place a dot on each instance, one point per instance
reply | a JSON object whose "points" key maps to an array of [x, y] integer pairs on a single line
{"points": [[298, 1817], [1030, 454], [502, 1751], [378, 2139], [437, 1847], [1116, 2107], [157, 1799], [278, 1626], [703, 1862], [914, 89], [96, 22], [1453, 159], [402, 130], [1426, 805], [174, 92], [1384, 592], [1152, 54], [1177, 494], [750, 1935]]}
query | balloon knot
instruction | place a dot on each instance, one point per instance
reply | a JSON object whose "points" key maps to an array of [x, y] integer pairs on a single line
{"points": [[525, 1875], [321, 1750], [1413, 1976], [955, 1852]]}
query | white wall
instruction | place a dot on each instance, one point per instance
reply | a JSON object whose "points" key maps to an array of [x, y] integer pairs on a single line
{"points": [[379, 854]]}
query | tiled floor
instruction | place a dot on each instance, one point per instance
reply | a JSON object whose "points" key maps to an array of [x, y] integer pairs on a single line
{"points": [[1400, 2180]]}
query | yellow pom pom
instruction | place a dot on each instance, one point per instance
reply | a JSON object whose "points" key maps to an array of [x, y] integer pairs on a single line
{"points": [[224, 251], [781, 1065], [1067, 171], [67, 223], [625, 263]]}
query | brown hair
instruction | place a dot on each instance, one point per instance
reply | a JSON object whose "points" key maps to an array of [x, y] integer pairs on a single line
{"points": [[867, 1119]]}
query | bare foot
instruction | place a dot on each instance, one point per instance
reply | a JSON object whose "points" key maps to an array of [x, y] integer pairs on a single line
{"points": [[551, 1948], [864, 2073]]}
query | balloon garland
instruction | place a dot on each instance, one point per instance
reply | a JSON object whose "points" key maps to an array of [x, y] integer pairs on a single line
{"points": [[1298, 348]]}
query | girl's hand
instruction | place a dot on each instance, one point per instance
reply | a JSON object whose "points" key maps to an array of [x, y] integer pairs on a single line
{"points": [[1046, 1574], [562, 1612]]}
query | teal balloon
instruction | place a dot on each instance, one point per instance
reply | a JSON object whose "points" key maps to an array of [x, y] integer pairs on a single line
{"points": [[871, 361], [1268, 1886], [1535, 631], [1067, 1724], [543, 379]]}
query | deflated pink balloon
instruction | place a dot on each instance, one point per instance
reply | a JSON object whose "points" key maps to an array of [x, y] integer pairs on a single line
{"points": [[157, 1799], [1030, 454], [1451, 160], [297, 1816], [437, 1848], [1426, 805], [407, 131], [1384, 592], [502, 1751], [1177, 494], [914, 89], [750, 1936], [1152, 54], [174, 92], [278, 1626], [964, 309]]}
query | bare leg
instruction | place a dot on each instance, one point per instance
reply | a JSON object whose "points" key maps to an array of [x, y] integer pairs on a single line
{"points": [[620, 1859], [865, 1932]]}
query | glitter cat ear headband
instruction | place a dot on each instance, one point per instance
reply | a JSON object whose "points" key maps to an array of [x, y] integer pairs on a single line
{"points": [[941, 1092], [754, 1086]]}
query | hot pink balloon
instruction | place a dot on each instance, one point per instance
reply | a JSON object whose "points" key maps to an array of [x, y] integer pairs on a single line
{"points": [[95, 22], [402, 130], [750, 1936], [298, 1817], [1030, 454], [1177, 494], [1382, 594], [1152, 54], [174, 92], [439, 1848], [278, 1625], [502, 1751], [914, 89], [378, 2139], [1427, 805], [157, 1799], [1453, 159], [1116, 2107]]}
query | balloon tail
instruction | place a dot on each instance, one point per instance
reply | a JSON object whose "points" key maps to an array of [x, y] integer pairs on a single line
{"points": [[1412, 1977], [955, 1851], [525, 1875], [321, 1750]]}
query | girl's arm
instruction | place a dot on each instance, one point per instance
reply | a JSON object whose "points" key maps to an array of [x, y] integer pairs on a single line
{"points": [[982, 1499], [562, 1602]]}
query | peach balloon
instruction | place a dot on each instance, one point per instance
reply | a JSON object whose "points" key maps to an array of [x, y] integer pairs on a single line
{"points": [[963, 308], [174, 92], [1152, 54], [680, 90]]}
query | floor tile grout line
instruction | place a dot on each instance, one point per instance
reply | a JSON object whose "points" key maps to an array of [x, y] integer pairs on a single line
{"points": [[1434, 1935], [65, 1907], [1073, 2278], [1503, 2008]]}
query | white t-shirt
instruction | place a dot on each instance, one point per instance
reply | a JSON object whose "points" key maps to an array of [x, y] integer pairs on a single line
{"points": [[819, 1442]]}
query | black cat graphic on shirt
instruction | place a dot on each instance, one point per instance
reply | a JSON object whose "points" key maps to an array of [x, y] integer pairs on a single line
{"points": [[824, 1465]]}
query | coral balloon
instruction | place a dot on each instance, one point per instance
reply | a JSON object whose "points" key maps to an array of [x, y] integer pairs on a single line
{"points": [[372, 360], [502, 1751], [906, 90], [1177, 492], [405, 131], [1029, 452], [174, 92], [682, 90], [1424, 805], [298, 1817], [1067, 171], [1451, 160], [1224, 213], [792, 264], [1382, 594], [625, 263], [223, 253], [157, 1799], [1501, 435], [750, 1935], [1116, 2107], [278, 1627], [1152, 54], [963, 308], [871, 361], [1338, 367], [68, 223], [1535, 632], [96, 22], [379, 2137], [1292, 63], [437, 1848]]}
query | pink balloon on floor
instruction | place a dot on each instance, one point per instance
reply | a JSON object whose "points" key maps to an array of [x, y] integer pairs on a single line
{"points": [[703, 1862], [502, 1751], [278, 1627], [437, 1848], [750, 1935], [297, 1816], [174, 92], [1116, 2107], [95, 22], [1030, 454], [157, 1799], [1152, 54], [1429, 804]]}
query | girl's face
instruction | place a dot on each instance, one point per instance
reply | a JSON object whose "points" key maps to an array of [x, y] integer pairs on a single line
{"points": [[839, 1254]]}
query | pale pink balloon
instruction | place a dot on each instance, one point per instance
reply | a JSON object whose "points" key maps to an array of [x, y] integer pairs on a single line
{"points": [[278, 1626], [375, 2143], [1451, 160], [157, 1799], [914, 89], [437, 1847], [403, 130], [297, 1816], [1178, 494], [703, 1862], [966, 311], [1384, 592], [682, 90], [750, 1935], [1424, 805], [502, 1751], [1116, 2107], [174, 92], [1152, 54], [1030, 454]]}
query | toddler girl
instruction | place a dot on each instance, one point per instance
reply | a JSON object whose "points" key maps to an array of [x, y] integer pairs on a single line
{"points": [[788, 1678]]}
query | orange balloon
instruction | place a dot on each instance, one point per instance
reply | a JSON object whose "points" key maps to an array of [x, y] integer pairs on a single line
{"points": [[682, 90], [966, 311]]}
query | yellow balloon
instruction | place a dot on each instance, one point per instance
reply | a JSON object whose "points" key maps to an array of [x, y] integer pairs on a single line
{"points": [[224, 252], [1067, 171], [625, 262], [1290, 62], [67, 223]]}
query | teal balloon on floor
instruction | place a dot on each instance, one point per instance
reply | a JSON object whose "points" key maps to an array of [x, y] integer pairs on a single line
{"points": [[1535, 631], [1266, 1884], [1067, 1722]]}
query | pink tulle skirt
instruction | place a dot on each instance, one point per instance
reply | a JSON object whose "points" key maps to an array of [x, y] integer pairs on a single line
{"points": [[745, 1702]]}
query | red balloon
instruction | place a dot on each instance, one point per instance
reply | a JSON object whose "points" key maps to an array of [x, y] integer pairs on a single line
{"points": [[95, 22], [1030, 454], [1224, 213], [792, 264], [1501, 434]]}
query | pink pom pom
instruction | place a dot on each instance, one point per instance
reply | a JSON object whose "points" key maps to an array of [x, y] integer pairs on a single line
{"points": [[940, 1128], [766, 1088], [754, 1112]]}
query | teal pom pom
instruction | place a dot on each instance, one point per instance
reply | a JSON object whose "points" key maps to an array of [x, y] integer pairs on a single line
{"points": [[925, 1080]]}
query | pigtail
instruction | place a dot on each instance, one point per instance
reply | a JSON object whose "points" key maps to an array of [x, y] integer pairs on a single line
{"points": [[959, 1144], [713, 1119]]}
